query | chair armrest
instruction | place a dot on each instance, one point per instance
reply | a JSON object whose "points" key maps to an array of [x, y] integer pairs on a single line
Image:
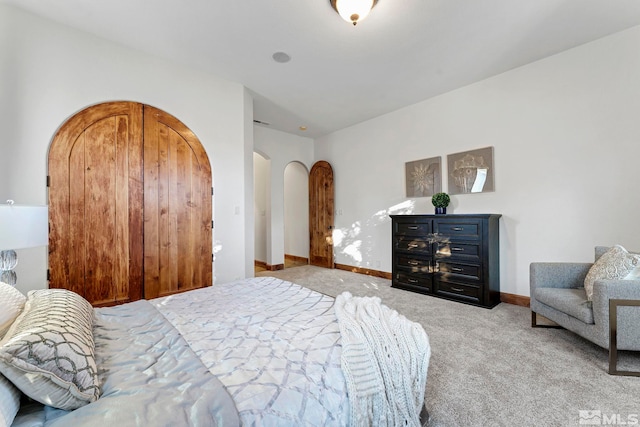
{"points": [[604, 290], [557, 274]]}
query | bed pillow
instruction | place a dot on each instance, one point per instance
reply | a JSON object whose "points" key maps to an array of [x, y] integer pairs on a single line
{"points": [[11, 305], [616, 263], [49, 352], [9, 401]]}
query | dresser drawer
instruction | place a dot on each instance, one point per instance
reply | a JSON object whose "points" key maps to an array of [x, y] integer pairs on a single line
{"points": [[468, 271], [414, 264], [411, 280], [412, 228], [459, 229], [412, 244], [458, 250], [457, 290]]}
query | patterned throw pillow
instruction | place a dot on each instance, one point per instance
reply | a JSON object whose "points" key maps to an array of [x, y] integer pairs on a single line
{"points": [[48, 353], [11, 305], [616, 263]]}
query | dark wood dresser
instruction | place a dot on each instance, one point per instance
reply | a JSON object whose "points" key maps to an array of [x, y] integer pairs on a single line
{"points": [[449, 256]]}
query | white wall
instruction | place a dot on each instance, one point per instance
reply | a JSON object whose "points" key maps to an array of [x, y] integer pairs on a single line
{"points": [[49, 72], [566, 132], [296, 210], [261, 176], [248, 214], [281, 148]]}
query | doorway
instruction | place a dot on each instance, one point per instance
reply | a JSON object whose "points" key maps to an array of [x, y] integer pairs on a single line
{"points": [[129, 205], [281, 215], [262, 210], [296, 215]]}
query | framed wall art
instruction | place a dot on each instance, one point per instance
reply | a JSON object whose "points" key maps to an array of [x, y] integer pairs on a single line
{"points": [[423, 177], [471, 171]]}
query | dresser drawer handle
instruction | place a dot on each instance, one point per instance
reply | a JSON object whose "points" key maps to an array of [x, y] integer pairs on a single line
{"points": [[413, 227], [457, 228], [456, 249], [457, 289], [456, 269], [412, 245], [412, 281], [412, 262]]}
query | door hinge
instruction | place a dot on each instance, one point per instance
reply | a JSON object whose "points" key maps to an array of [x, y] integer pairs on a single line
{"points": [[48, 274], [211, 224], [213, 258], [212, 191], [48, 181]]}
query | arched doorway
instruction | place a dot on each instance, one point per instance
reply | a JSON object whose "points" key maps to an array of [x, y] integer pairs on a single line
{"points": [[261, 201], [129, 205], [296, 215]]}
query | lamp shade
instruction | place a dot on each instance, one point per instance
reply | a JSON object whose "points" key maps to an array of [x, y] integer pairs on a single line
{"points": [[353, 11], [23, 226]]}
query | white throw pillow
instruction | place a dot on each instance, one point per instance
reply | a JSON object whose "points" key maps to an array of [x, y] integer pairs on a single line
{"points": [[49, 352], [616, 263], [11, 305], [9, 401]]}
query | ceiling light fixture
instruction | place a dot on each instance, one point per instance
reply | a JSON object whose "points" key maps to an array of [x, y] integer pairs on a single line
{"points": [[353, 11]]}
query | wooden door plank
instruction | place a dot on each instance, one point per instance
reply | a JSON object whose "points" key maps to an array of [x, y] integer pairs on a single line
{"points": [[100, 211], [151, 208], [172, 209], [136, 202], [75, 218], [120, 285], [183, 203], [164, 208]]}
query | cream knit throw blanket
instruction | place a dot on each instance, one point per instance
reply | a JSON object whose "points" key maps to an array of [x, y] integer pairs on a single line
{"points": [[385, 358]]}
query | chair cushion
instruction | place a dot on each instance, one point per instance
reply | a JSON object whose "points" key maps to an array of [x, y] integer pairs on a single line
{"points": [[616, 263], [571, 301]]}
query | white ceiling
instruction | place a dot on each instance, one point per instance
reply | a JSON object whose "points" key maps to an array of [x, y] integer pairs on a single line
{"points": [[404, 52]]}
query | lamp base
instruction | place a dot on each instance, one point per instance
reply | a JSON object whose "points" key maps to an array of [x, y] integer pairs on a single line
{"points": [[9, 277], [8, 260]]}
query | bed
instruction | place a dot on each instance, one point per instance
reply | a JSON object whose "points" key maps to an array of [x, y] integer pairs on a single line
{"points": [[260, 351]]}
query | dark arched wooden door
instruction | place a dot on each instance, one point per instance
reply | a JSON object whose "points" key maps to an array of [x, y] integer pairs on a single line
{"points": [[321, 196], [129, 205]]}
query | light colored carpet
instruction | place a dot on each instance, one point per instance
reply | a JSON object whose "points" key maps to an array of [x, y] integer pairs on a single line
{"points": [[489, 367]]}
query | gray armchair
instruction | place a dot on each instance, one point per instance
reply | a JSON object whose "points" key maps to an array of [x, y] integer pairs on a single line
{"points": [[611, 320]]}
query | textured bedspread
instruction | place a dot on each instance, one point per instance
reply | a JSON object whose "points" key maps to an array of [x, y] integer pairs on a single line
{"points": [[255, 352], [150, 377], [275, 346]]}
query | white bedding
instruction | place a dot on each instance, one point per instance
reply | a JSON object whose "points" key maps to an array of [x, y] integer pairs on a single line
{"points": [[274, 344], [262, 351]]}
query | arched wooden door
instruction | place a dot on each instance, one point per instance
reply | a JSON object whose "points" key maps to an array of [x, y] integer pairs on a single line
{"points": [[321, 196], [129, 205], [177, 207]]}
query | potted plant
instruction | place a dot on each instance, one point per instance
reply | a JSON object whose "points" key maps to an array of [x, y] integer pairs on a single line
{"points": [[440, 201]]}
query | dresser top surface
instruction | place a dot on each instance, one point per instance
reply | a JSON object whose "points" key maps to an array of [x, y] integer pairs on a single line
{"points": [[461, 216]]}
